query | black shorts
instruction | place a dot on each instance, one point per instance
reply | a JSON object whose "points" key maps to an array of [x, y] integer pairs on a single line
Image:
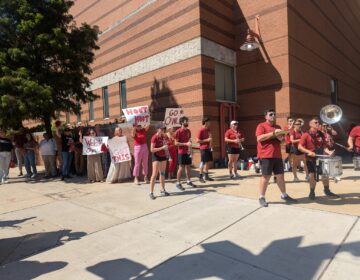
{"points": [[311, 165], [232, 150], [272, 165], [184, 159], [206, 155], [288, 148], [157, 158]]}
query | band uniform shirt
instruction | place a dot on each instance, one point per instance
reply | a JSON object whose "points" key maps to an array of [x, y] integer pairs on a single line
{"points": [[183, 135], [313, 141], [158, 142], [140, 137], [233, 135], [355, 134], [297, 135], [270, 148], [287, 136], [204, 133]]}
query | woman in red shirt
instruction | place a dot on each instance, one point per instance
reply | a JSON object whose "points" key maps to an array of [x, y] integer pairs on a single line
{"points": [[141, 153], [233, 140], [297, 156], [172, 152], [160, 154]]}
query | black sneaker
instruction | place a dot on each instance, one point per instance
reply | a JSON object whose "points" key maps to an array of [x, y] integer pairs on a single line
{"points": [[151, 195], [263, 202], [327, 192], [312, 195], [180, 187], [191, 184], [232, 176], [164, 193], [289, 199], [207, 178], [62, 178], [201, 179]]}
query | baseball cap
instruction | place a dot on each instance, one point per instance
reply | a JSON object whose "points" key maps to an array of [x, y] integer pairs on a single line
{"points": [[234, 122]]}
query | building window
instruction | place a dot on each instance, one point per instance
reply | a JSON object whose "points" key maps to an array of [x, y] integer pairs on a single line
{"points": [[123, 104], [78, 115], [67, 117], [91, 110], [334, 91], [224, 83], [105, 96]]}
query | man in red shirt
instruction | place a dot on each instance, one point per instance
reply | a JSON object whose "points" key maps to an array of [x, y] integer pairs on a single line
{"points": [[204, 139], [354, 140], [183, 142], [311, 143], [269, 137]]}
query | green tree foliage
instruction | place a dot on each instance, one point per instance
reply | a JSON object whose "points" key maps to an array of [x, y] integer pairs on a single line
{"points": [[44, 60]]}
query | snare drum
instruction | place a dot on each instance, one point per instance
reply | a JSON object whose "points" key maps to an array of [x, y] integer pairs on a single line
{"points": [[356, 161], [331, 167]]}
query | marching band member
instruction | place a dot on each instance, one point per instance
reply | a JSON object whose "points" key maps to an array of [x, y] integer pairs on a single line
{"points": [[141, 153], [204, 139], [311, 143], [183, 142], [288, 144], [233, 140], [354, 140], [269, 153], [297, 156], [160, 153]]}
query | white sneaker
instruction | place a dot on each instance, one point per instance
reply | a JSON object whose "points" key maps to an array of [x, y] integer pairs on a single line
{"points": [[136, 182], [307, 178], [33, 176], [296, 179]]}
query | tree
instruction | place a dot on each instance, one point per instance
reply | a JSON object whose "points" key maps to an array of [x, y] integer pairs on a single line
{"points": [[44, 60]]}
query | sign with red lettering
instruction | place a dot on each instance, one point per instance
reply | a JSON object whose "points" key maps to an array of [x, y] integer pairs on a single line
{"points": [[119, 149], [92, 145], [137, 115], [172, 116]]}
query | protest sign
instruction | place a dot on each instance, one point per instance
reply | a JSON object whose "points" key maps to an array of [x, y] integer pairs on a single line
{"points": [[137, 115], [172, 116], [119, 149], [92, 145]]}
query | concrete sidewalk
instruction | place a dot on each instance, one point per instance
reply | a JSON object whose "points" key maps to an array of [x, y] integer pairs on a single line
{"points": [[59, 230]]}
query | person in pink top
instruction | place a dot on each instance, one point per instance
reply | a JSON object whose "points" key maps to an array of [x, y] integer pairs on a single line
{"points": [[233, 140], [204, 139], [141, 153], [269, 136]]}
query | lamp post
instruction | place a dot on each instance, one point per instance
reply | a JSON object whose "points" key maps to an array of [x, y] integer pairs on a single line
{"points": [[250, 43]]}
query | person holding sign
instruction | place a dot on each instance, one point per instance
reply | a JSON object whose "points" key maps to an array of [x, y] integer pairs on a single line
{"points": [[204, 139], [160, 153], [183, 141], [141, 153], [172, 152], [94, 168], [120, 167]]}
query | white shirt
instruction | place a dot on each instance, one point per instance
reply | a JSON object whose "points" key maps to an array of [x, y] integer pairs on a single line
{"points": [[48, 147]]}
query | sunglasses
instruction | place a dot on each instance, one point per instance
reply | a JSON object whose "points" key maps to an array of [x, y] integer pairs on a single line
{"points": [[271, 114], [298, 124], [316, 122]]}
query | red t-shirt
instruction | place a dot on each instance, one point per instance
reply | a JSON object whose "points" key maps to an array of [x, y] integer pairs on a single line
{"points": [[270, 148], [183, 135], [312, 140], [140, 137], [232, 135], [158, 142], [204, 133], [296, 135], [355, 134], [287, 136]]}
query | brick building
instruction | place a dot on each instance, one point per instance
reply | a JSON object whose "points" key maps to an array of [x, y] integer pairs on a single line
{"points": [[185, 53]]}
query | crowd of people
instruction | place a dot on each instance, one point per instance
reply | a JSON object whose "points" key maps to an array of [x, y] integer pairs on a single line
{"points": [[62, 153]]}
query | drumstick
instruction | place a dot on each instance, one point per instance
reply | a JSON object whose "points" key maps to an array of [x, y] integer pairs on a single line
{"points": [[342, 146], [324, 156]]}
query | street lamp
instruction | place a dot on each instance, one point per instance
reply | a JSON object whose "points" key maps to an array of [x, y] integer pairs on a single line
{"points": [[250, 43]]}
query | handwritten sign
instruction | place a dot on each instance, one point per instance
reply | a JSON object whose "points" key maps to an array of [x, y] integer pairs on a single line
{"points": [[138, 115], [119, 149], [92, 145], [172, 116]]}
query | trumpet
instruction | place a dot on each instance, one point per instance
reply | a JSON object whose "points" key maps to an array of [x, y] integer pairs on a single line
{"points": [[190, 148], [211, 142], [240, 144]]}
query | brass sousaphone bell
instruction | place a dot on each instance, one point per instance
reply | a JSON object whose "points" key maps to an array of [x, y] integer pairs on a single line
{"points": [[331, 114]]}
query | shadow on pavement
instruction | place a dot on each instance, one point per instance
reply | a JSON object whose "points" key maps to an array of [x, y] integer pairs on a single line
{"points": [[282, 259], [25, 270], [14, 223], [15, 248]]}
